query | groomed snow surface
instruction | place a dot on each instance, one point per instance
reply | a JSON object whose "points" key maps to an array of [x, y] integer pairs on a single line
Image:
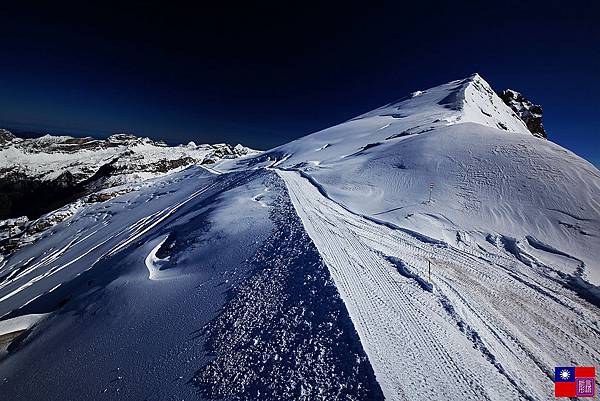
{"points": [[484, 326], [322, 270]]}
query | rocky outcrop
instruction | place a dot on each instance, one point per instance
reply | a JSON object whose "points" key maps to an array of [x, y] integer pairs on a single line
{"points": [[530, 113], [5, 136], [21, 195]]}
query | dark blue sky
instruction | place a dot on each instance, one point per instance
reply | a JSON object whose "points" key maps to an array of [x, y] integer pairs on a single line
{"points": [[264, 75]]}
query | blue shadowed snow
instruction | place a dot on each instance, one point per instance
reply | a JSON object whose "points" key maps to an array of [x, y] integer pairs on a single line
{"points": [[285, 333], [236, 252]]}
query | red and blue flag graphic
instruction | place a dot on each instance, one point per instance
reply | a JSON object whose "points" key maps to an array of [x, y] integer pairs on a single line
{"points": [[576, 381]]}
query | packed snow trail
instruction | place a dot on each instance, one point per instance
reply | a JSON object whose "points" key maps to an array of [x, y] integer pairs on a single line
{"points": [[486, 329]]}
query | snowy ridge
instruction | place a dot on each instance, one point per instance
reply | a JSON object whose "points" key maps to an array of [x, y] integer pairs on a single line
{"points": [[304, 272], [486, 180]]}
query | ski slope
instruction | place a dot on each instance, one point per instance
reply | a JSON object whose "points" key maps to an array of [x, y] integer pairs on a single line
{"points": [[484, 327]]}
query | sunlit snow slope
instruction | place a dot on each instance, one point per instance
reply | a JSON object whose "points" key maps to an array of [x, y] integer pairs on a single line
{"points": [[493, 181], [323, 270]]}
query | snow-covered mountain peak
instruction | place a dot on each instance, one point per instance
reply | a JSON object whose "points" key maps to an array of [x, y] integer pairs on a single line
{"points": [[480, 104], [470, 99], [131, 140], [462, 141], [50, 155]]}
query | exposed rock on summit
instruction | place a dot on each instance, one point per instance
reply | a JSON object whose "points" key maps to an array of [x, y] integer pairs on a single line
{"points": [[530, 113]]}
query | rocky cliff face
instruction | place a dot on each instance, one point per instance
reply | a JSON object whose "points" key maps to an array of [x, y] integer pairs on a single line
{"points": [[41, 174], [5, 136], [530, 113]]}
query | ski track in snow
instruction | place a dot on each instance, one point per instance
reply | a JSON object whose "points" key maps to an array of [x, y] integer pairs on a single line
{"points": [[487, 330]]}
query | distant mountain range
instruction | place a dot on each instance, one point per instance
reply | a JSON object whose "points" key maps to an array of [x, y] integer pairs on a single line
{"points": [[40, 174]]}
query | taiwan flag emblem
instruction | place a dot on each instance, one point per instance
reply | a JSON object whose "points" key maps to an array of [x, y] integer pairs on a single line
{"points": [[576, 381]]}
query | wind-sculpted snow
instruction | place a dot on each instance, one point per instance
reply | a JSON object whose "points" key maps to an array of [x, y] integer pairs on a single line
{"points": [[97, 231], [126, 301], [111, 332], [285, 333]]}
